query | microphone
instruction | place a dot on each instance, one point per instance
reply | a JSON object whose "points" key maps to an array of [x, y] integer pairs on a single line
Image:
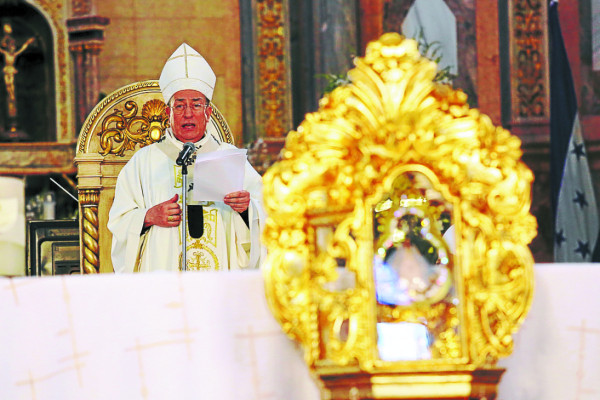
{"points": [[184, 155]]}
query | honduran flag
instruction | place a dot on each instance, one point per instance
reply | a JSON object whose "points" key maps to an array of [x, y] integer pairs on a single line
{"points": [[573, 201]]}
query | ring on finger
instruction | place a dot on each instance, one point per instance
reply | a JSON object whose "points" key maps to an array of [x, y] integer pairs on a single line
{"points": [[170, 218]]}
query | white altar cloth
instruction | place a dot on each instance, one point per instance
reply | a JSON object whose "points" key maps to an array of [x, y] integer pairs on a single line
{"points": [[145, 336], [557, 351], [211, 336]]}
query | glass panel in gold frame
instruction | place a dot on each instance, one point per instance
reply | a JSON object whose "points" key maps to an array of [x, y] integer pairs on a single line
{"points": [[413, 266]]}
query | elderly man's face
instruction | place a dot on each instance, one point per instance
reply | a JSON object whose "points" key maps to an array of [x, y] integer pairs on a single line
{"points": [[189, 114]]}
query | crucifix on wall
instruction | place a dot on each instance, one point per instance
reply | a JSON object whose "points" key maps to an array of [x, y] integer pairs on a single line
{"points": [[9, 50]]}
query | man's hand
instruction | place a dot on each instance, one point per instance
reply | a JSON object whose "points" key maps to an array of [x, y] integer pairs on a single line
{"points": [[239, 201], [166, 214]]}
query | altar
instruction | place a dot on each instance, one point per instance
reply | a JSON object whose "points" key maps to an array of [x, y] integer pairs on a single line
{"points": [[211, 336]]}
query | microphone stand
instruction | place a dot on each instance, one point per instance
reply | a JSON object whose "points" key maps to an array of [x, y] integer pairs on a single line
{"points": [[184, 173], [185, 158]]}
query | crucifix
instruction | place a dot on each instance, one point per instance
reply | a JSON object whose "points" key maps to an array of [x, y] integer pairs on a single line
{"points": [[8, 48]]}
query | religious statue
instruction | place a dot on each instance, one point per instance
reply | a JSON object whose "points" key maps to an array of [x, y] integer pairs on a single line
{"points": [[8, 48]]}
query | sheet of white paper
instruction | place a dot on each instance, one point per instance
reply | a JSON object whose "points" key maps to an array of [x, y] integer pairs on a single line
{"points": [[220, 154], [218, 173]]}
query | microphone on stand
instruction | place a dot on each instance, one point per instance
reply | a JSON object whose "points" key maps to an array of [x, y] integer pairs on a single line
{"points": [[184, 155], [183, 160]]}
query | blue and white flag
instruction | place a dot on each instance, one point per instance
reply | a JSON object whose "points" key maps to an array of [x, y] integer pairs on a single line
{"points": [[573, 200]]}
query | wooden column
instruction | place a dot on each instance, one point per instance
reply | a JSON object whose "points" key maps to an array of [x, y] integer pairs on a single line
{"points": [[371, 22], [270, 70], [86, 37], [529, 77], [488, 60]]}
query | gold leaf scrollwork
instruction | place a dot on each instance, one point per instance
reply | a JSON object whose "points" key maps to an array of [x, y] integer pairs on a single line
{"points": [[122, 131], [336, 167]]}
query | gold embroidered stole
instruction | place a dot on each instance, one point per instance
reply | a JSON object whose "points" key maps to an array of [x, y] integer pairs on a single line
{"points": [[203, 253]]}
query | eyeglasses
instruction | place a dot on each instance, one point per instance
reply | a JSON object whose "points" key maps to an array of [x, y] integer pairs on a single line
{"points": [[197, 108]]}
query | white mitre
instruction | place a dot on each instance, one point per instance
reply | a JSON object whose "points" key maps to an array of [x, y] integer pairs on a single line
{"points": [[186, 69]]}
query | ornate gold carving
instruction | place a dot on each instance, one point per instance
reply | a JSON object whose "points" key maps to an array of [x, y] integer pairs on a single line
{"points": [[91, 119], [273, 108], [223, 126], [88, 200], [155, 112], [89, 197], [529, 68], [119, 131], [392, 120]]}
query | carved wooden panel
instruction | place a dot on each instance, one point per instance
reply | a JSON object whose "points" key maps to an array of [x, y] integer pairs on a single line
{"points": [[528, 60], [272, 80]]}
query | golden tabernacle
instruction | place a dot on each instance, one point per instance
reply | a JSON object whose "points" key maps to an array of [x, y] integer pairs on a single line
{"points": [[397, 235]]}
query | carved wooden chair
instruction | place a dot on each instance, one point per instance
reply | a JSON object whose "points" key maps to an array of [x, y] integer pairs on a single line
{"points": [[126, 120]]}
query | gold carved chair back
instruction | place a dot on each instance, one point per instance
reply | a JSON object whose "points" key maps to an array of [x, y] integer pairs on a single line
{"points": [[132, 117]]}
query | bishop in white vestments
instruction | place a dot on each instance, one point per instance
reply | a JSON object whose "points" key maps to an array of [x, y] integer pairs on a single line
{"points": [[145, 218]]}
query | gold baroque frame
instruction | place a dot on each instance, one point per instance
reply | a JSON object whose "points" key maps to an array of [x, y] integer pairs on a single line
{"points": [[393, 118]]}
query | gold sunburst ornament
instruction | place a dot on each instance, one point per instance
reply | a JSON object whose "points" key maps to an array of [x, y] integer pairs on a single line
{"points": [[121, 132], [398, 235]]}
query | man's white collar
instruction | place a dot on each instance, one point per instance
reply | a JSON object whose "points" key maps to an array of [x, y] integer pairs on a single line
{"points": [[177, 143]]}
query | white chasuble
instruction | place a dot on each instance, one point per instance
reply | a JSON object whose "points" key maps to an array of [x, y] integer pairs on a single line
{"points": [[152, 177]]}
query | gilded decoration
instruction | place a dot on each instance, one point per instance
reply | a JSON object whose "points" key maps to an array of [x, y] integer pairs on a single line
{"points": [[387, 154], [528, 60], [123, 131], [223, 126], [273, 108], [88, 200], [99, 110]]}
